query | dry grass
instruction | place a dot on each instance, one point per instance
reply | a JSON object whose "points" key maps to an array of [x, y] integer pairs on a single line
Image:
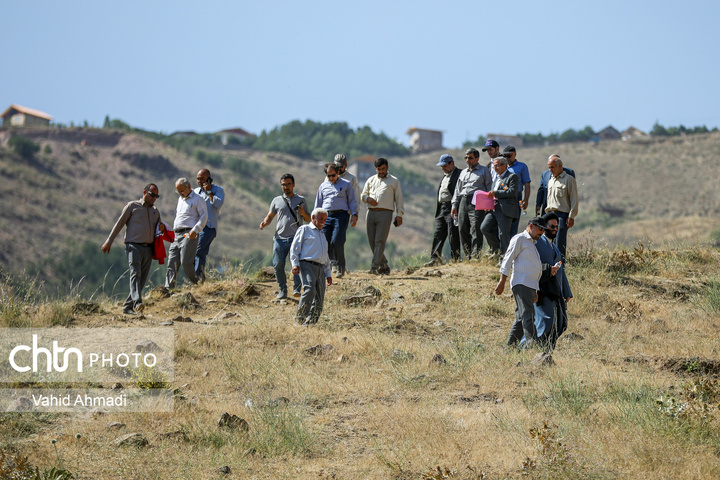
{"points": [[379, 404]]}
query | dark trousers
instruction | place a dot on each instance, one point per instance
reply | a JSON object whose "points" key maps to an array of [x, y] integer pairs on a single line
{"points": [[524, 324], [445, 228], [561, 239], [470, 221], [311, 301], [496, 228], [139, 258], [204, 240], [335, 230]]}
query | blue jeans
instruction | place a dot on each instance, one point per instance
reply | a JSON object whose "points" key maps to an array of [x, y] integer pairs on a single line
{"points": [[204, 240], [281, 250], [335, 230]]}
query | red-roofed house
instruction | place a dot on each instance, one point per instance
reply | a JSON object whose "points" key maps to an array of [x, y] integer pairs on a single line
{"points": [[19, 116], [237, 133]]}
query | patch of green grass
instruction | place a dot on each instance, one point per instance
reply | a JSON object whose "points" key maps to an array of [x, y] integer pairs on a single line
{"points": [[277, 430]]}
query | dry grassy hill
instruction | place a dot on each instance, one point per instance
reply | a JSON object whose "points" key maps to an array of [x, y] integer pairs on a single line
{"points": [[58, 200], [413, 382]]}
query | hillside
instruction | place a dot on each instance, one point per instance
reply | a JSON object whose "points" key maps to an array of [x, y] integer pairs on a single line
{"points": [[410, 380], [66, 199]]}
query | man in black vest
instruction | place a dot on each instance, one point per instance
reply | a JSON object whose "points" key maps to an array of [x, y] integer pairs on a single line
{"points": [[444, 223]]}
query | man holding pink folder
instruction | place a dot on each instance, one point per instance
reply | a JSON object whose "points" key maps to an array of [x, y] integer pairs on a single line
{"points": [[498, 222]]}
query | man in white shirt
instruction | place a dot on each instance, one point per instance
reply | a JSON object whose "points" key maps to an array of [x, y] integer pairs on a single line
{"points": [[309, 259], [190, 219], [383, 195], [524, 259]]}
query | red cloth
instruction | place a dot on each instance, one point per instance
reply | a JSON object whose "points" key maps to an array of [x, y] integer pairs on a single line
{"points": [[159, 252]]}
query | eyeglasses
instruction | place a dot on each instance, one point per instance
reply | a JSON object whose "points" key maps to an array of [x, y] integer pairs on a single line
{"points": [[507, 155], [154, 195], [552, 227]]}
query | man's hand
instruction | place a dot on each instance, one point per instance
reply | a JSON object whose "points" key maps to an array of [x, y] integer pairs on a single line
{"points": [[491, 194], [553, 270], [329, 281], [263, 224], [500, 287], [453, 213], [295, 270], [353, 220], [207, 186], [398, 221], [536, 298], [524, 204], [191, 235], [105, 247], [161, 227], [372, 201], [570, 222]]}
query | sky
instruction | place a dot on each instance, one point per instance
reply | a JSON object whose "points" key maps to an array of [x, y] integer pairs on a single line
{"points": [[467, 68]]}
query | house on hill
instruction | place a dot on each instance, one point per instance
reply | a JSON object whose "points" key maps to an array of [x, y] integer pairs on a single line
{"points": [[230, 134], [633, 132], [425, 140], [363, 168], [19, 116], [505, 140], [608, 133]]}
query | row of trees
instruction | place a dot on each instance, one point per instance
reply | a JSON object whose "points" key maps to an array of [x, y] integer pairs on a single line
{"points": [[307, 139], [587, 134], [324, 140]]}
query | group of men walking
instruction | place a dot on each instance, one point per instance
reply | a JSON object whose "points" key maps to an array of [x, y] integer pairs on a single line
{"points": [[474, 203], [505, 184], [317, 250], [194, 229]]}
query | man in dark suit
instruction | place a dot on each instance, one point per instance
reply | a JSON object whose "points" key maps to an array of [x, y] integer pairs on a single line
{"points": [[444, 224], [496, 225]]}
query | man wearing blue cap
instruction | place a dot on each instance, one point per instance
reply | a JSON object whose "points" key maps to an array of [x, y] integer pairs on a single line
{"points": [[444, 225]]}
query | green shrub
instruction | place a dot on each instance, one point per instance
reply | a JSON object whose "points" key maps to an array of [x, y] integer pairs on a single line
{"points": [[24, 147]]}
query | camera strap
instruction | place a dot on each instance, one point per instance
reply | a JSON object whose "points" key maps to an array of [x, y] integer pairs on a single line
{"points": [[292, 212]]}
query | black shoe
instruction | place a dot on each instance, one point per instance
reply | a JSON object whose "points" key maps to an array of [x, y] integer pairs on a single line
{"points": [[127, 311]]}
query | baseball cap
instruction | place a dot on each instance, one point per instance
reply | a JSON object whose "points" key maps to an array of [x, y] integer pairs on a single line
{"points": [[509, 149], [490, 143], [538, 222], [444, 160]]}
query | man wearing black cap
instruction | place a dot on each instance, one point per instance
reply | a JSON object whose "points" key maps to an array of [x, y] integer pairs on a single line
{"points": [[524, 260], [444, 225], [475, 177], [521, 170], [492, 148]]}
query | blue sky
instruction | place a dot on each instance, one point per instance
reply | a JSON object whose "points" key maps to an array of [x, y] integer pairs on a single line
{"points": [[465, 67]]}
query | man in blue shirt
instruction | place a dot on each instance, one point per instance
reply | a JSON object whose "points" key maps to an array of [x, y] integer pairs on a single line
{"points": [[521, 170], [214, 197], [337, 197], [309, 259]]}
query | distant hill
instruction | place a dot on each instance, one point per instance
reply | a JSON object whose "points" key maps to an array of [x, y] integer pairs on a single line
{"points": [[59, 205]]}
